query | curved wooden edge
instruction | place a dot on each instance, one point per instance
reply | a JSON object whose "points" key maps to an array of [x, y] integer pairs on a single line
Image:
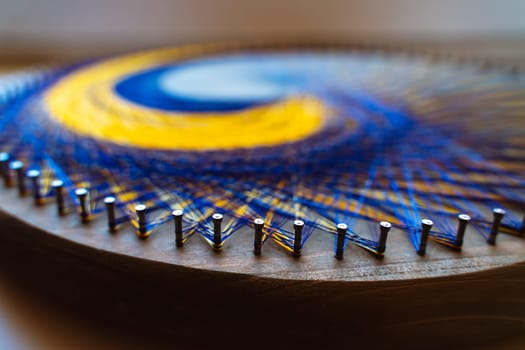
{"points": [[177, 304], [317, 263]]}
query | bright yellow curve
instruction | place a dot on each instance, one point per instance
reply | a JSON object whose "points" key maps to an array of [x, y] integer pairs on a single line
{"points": [[85, 103]]}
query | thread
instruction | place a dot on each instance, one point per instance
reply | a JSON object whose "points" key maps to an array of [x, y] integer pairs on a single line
{"points": [[394, 140]]}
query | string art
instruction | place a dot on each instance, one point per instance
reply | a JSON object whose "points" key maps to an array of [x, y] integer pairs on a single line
{"points": [[281, 142]]}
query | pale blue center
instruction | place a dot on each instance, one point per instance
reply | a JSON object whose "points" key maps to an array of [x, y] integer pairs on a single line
{"points": [[240, 80]]}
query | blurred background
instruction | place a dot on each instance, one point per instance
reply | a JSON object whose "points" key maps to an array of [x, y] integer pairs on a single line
{"points": [[83, 28], [34, 31]]}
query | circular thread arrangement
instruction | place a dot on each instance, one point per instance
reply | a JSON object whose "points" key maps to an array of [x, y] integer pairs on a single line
{"points": [[320, 137]]}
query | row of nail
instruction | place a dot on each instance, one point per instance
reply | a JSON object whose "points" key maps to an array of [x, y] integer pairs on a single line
{"points": [[84, 204]]}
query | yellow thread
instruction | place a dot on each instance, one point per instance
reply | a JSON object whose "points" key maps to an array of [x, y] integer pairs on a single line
{"points": [[85, 103]]}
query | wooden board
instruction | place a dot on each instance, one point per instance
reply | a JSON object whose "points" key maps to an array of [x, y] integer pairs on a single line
{"points": [[443, 298], [194, 297]]}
